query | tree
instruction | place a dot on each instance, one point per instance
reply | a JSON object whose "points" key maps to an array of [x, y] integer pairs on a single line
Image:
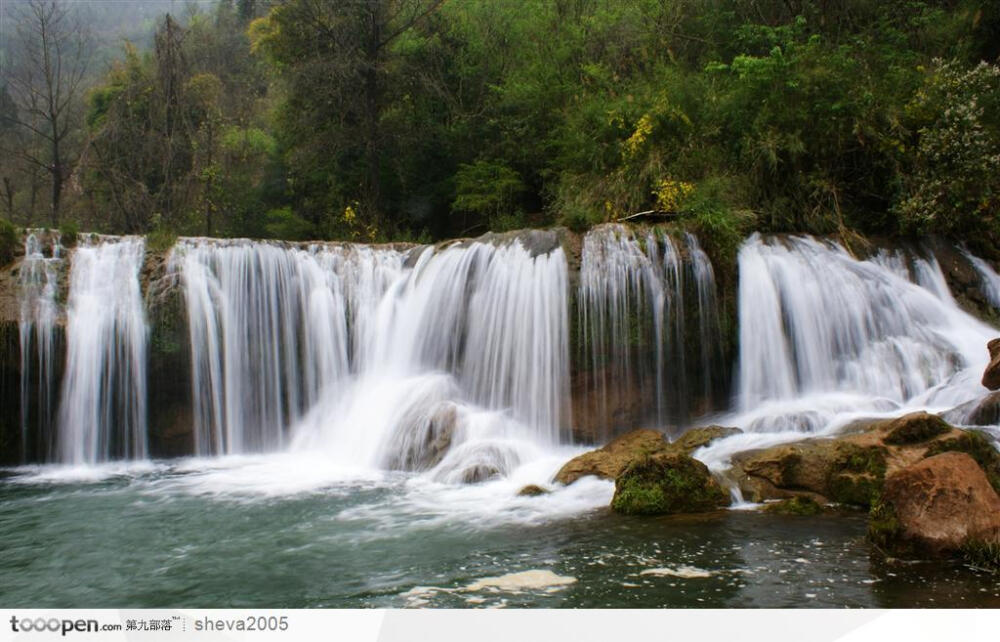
{"points": [[336, 58], [46, 81]]}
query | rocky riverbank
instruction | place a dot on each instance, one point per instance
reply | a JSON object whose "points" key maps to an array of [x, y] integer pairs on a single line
{"points": [[930, 488]]}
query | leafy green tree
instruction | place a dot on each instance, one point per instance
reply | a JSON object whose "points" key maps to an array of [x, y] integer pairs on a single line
{"points": [[337, 60], [954, 186]]}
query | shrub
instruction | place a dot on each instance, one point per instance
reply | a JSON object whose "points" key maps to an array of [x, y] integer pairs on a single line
{"points": [[9, 241], [69, 233]]}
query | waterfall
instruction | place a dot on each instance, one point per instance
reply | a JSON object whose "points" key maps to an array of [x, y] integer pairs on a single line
{"points": [[709, 333], [815, 320], [634, 326], [989, 279], [371, 353], [39, 343], [269, 330], [102, 411]]}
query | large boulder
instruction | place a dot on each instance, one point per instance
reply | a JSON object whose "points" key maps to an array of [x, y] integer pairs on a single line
{"points": [[824, 470], [975, 444], [937, 507], [991, 377], [667, 483], [851, 467], [608, 462]]}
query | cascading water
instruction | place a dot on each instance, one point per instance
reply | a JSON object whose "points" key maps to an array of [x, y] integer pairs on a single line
{"points": [[269, 331], [989, 280], [826, 338], [377, 356], [102, 412], [814, 319], [709, 333], [634, 330], [455, 359], [39, 342]]}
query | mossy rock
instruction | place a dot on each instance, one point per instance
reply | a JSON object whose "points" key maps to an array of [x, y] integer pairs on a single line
{"points": [[840, 471], [800, 505], [939, 507], [884, 529], [915, 428], [977, 445], [667, 484], [857, 475]]}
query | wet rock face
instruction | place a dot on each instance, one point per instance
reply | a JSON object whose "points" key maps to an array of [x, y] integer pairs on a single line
{"points": [[170, 418], [936, 507], [426, 441], [665, 484], [10, 396], [991, 377], [982, 412]]}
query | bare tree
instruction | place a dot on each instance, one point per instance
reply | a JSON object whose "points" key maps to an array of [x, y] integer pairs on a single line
{"points": [[49, 64]]}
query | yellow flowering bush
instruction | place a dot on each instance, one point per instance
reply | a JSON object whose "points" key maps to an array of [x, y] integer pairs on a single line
{"points": [[670, 194]]}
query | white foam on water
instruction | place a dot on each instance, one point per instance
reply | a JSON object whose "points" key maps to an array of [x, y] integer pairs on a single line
{"points": [[531, 580], [684, 572]]}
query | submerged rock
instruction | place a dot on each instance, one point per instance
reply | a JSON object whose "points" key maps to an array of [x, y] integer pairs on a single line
{"points": [[479, 473], [532, 490], [991, 377], [936, 507], [423, 441], [665, 484], [979, 412], [801, 505]]}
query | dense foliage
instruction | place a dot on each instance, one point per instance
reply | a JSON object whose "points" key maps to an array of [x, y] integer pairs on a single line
{"points": [[391, 119]]}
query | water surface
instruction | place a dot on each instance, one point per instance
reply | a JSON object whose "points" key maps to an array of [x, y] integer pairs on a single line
{"points": [[253, 532]]}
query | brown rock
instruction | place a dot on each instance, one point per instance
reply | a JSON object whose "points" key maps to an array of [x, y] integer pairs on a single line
{"points": [[609, 461], [824, 470], [913, 428], [532, 490], [936, 507], [991, 377], [695, 438], [667, 483], [849, 468]]}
